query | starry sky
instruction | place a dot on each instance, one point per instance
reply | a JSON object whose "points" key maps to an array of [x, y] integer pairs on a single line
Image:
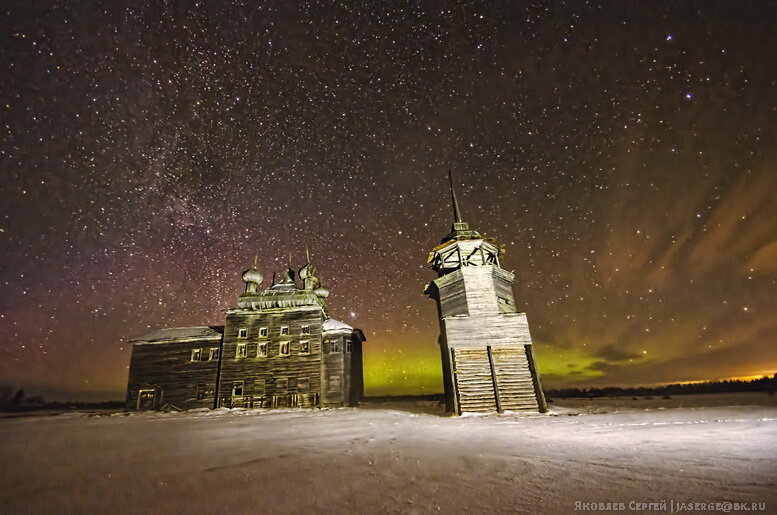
{"points": [[623, 152]]}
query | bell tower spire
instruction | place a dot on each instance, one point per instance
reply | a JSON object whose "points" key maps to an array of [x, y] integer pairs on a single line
{"points": [[459, 229], [456, 210]]}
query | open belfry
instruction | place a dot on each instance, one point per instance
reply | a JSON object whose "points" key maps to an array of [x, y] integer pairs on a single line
{"points": [[486, 347]]}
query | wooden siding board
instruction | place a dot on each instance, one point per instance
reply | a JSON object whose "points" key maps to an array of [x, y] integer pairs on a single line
{"points": [[452, 295]]}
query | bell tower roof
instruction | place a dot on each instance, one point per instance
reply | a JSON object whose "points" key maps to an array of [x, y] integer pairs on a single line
{"points": [[462, 247]]}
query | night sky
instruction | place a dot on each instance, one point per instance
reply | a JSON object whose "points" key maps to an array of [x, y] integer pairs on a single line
{"points": [[624, 153]]}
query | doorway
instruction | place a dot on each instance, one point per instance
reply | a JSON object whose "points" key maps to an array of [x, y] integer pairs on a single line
{"points": [[146, 399]]}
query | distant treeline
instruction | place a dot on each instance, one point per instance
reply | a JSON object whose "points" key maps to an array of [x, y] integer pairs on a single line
{"points": [[764, 384], [16, 400]]}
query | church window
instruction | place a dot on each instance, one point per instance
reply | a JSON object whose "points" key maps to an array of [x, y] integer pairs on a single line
{"points": [[285, 330], [201, 391], [262, 331], [304, 347], [284, 350], [261, 350], [237, 389], [242, 350], [348, 345], [334, 346], [196, 354], [305, 329], [213, 354], [242, 332]]}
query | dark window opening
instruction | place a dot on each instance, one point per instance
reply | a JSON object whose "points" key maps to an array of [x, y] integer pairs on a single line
{"points": [[202, 392], [237, 389]]}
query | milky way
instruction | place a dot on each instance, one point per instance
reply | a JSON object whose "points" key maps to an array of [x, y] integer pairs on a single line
{"points": [[624, 154]]}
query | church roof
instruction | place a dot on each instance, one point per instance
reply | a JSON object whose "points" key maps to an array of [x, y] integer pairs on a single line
{"points": [[334, 325], [182, 333], [288, 297]]}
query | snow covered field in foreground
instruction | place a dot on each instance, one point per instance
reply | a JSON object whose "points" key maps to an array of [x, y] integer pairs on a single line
{"points": [[400, 457]]}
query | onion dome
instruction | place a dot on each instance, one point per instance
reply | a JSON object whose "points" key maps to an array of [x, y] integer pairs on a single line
{"points": [[321, 292], [252, 275]]}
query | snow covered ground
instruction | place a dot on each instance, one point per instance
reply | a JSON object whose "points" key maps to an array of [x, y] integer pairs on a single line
{"points": [[393, 457]]}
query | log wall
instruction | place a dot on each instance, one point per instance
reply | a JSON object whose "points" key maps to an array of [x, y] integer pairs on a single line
{"points": [[274, 380], [168, 369]]}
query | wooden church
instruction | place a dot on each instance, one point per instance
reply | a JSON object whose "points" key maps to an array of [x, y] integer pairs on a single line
{"points": [[486, 347], [277, 348]]}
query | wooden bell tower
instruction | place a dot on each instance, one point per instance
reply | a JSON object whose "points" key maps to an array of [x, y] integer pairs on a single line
{"points": [[486, 347]]}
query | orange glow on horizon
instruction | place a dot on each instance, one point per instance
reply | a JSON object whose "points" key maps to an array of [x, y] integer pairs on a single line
{"points": [[736, 378]]}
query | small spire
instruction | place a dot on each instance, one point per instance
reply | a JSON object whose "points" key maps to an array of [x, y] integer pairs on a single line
{"points": [[456, 213], [459, 230], [256, 258], [307, 253]]}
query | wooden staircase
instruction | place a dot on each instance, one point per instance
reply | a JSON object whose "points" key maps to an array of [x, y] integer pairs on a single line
{"points": [[489, 379]]}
